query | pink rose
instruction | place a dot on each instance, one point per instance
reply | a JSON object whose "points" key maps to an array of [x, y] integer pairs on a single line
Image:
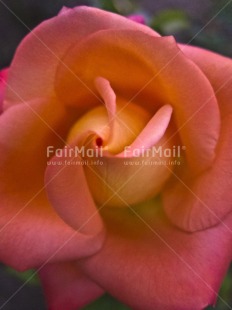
{"points": [[155, 236]]}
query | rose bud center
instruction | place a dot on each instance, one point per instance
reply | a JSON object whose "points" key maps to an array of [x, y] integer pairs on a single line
{"points": [[132, 166]]}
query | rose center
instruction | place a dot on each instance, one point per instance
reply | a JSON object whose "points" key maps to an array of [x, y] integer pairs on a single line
{"points": [[127, 171], [119, 181], [99, 142], [111, 135]]}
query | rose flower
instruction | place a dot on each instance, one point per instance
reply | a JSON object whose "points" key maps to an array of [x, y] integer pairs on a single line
{"points": [[84, 199]]}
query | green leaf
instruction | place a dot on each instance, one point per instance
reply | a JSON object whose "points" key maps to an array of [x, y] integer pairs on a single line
{"points": [[107, 5], [106, 302], [122, 7], [125, 7], [224, 301], [29, 276], [170, 21]]}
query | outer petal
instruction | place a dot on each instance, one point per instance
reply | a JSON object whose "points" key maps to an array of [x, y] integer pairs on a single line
{"points": [[43, 49], [149, 264], [152, 72], [26, 132], [218, 69], [204, 201], [31, 232], [3, 77], [67, 288]]}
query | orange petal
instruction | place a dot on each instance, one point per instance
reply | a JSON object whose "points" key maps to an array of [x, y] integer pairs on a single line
{"points": [[69, 194], [31, 76], [26, 217]]}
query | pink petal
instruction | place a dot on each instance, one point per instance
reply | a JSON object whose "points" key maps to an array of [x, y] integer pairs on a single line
{"points": [[69, 194], [32, 76], [147, 263], [218, 70], [109, 97], [67, 288], [31, 232], [26, 132], [154, 130], [204, 201], [160, 76]]}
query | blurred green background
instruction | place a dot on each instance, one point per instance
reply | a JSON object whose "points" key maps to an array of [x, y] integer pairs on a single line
{"points": [[206, 23]]}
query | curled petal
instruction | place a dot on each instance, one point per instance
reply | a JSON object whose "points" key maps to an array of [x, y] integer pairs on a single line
{"points": [[68, 192], [107, 93], [197, 203], [154, 130]]}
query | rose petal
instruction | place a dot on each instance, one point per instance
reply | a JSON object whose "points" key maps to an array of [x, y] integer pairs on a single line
{"points": [[109, 97], [26, 217], [51, 40], [154, 130], [26, 132], [69, 194], [32, 234], [114, 180], [160, 75], [150, 264], [67, 288], [198, 203], [218, 69]]}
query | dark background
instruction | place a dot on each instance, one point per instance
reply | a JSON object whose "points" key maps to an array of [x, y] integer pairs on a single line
{"points": [[18, 16], [205, 23]]}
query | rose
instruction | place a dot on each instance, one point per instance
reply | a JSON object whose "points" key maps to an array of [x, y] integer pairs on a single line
{"points": [[155, 237], [142, 250]]}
